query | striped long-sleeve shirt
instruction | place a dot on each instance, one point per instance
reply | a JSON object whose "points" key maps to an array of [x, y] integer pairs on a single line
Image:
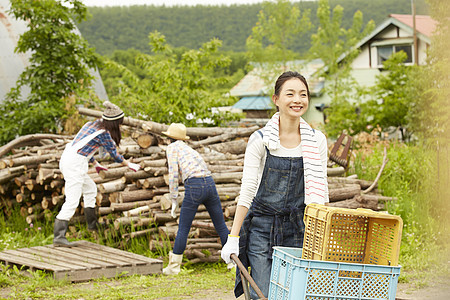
{"points": [[102, 140], [185, 161], [255, 159]]}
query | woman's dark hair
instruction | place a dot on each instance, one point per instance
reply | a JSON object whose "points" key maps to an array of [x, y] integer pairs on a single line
{"points": [[113, 128], [285, 77]]}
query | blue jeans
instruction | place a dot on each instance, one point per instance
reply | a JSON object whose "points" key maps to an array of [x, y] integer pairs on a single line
{"points": [[199, 190]]}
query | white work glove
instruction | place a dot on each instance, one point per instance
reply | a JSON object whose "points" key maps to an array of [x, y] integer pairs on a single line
{"points": [[174, 208], [133, 166], [230, 247], [99, 167]]}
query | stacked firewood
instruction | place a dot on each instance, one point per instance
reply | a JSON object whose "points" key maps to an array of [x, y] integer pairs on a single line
{"points": [[138, 203]]}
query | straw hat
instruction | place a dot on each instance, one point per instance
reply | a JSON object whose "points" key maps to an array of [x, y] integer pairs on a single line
{"points": [[176, 131], [112, 112]]}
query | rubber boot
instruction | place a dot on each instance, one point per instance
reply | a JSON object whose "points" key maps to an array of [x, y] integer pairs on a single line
{"points": [[174, 266], [59, 232], [92, 220]]}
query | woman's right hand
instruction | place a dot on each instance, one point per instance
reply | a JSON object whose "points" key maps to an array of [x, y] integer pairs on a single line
{"points": [[230, 247]]}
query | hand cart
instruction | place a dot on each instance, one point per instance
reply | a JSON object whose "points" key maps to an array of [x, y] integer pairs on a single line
{"points": [[246, 279]]}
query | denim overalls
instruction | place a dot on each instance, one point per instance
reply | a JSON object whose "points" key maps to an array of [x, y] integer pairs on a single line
{"points": [[274, 219]]}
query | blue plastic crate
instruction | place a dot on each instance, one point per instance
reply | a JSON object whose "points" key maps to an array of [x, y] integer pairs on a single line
{"points": [[295, 278]]}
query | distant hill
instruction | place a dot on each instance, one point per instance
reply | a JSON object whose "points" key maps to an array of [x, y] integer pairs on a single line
{"points": [[121, 28]]}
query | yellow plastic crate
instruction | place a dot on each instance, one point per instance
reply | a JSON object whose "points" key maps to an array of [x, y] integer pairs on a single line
{"points": [[351, 235]]}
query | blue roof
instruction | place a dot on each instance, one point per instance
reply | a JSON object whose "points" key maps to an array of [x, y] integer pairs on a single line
{"points": [[254, 103]]}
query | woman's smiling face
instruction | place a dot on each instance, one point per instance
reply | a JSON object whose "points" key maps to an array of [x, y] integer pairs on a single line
{"points": [[293, 99]]}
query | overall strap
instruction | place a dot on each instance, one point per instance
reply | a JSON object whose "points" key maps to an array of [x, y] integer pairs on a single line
{"points": [[83, 142]]}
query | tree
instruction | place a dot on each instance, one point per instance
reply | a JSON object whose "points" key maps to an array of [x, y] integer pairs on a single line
{"points": [[58, 66], [395, 94], [335, 46], [279, 24], [175, 86], [391, 102], [431, 119]]}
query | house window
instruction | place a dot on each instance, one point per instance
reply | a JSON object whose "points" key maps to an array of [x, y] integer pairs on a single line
{"points": [[384, 52]]}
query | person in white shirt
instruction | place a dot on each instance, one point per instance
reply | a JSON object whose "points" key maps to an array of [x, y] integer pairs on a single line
{"points": [[285, 169]]}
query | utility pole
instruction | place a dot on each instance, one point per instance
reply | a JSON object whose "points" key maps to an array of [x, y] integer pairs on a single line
{"points": [[416, 48]]}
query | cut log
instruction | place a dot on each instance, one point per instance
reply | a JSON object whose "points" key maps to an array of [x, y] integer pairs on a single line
{"points": [[229, 211], [136, 195], [156, 171], [154, 163], [225, 168], [29, 160], [230, 162], [347, 192], [232, 133], [335, 171], [356, 202], [116, 207], [111, 186], [162, 218], [227, 177], [140, 210], [153, 182], [131, 150], [233, 147], [57, 199], [104, 211], [113, 173], [130, 176], [26, 139], [146, 140], [345, 180], [131, 221]]}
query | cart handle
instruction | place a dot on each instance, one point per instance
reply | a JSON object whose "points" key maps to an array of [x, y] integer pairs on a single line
{"points": [[247, 276]]}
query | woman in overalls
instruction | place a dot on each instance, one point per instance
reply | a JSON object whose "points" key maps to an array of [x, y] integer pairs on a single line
{"points": [[74, 163], [285, 168]]}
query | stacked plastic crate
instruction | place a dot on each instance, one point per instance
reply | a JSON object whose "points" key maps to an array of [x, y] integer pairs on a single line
{"points": [[347, 254]]}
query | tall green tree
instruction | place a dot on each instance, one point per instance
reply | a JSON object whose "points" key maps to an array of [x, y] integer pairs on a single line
{"points": [[279, 24], [394, 95], [390, 103], [432, 115], [335, 45], [58, 66], [176, 87]]}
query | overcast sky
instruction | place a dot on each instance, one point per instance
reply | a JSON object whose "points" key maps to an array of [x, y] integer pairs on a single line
{"points": [[165, 2]]}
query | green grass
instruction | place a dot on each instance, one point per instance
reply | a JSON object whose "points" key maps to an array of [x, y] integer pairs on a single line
{"points": [[193, 280], [417, 175], [22, 284]]}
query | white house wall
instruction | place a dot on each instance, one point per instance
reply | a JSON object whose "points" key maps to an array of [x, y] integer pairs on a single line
{"points": [[362, 60]]}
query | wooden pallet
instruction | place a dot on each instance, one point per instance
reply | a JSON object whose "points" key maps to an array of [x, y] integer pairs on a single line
{"points": [[84, 262]]}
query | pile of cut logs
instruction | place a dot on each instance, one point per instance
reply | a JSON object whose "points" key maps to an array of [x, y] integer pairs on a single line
{"points": [[137, 203]]}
